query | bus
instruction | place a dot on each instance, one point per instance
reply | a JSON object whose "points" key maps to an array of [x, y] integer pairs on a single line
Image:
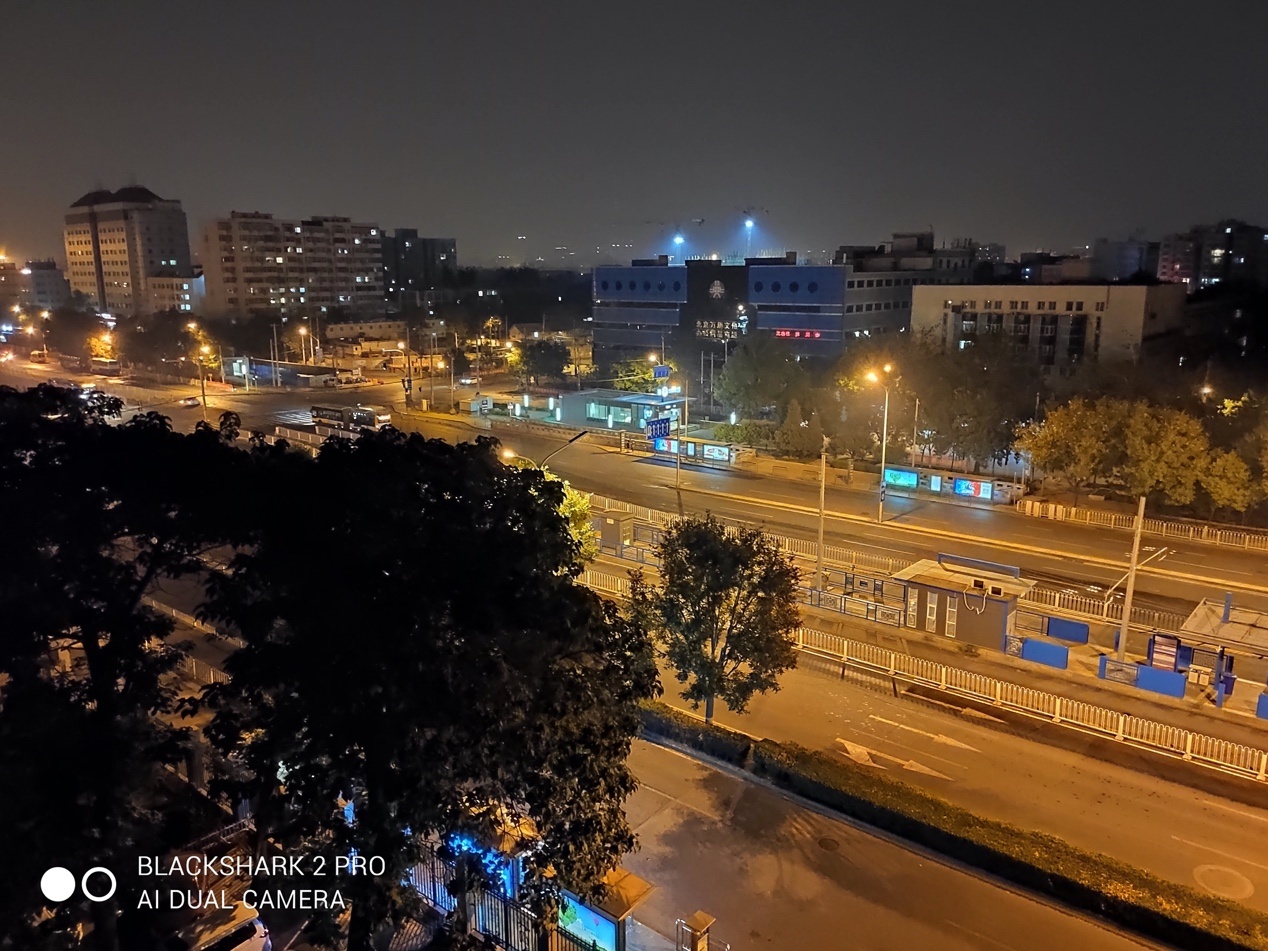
{"points": [[361, 416], [72, 361], [103, 367]]}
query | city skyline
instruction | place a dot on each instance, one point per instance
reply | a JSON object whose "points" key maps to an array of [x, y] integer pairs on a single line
{"points": [[827, 126]]}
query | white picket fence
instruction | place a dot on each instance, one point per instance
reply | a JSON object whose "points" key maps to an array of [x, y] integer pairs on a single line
{"points": [[1079, 606], [1149, 734], [1187, 531]]}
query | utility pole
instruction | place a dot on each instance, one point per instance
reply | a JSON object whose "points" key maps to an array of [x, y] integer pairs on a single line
{"points": [[202, 382], [1131, 581], [915, 432], [431, 375], [823, 482], [277, 353], [880, 503]]}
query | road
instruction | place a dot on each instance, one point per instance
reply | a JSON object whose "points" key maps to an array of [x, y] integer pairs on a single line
{"points": [[1190, 837], [777, 874], [1085, 559]]}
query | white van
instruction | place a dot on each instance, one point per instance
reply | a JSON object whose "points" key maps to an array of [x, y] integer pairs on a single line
{"points": [[225, 929]]}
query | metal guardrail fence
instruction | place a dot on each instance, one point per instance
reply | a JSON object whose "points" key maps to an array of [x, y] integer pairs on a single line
{"points": [[839, 557], [1207, 750], [1167, 528], [1231, 757]]}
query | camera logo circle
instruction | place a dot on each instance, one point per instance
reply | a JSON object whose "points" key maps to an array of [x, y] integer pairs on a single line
{"points": [[58, 884]]}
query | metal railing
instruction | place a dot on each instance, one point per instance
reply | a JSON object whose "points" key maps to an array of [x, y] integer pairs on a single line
{"points": [[1168, 528], [841, 558], [1248, 762]]}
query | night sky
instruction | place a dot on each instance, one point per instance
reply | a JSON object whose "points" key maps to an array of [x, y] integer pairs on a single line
{"points": [[575, 124]]}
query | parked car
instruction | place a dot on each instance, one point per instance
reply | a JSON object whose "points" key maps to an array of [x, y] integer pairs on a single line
{"points": [[189, 401], [38, 356]]}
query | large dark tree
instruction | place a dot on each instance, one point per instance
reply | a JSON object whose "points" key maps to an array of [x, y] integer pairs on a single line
{"points": [[724, 613], [417, 644], [96, 515]]}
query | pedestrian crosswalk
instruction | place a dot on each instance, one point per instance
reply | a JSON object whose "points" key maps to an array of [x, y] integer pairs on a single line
{"points": [[292, 417]]}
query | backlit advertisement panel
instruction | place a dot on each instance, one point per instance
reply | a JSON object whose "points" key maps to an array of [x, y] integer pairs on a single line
{"points": [[902, 478], [972, 488]]}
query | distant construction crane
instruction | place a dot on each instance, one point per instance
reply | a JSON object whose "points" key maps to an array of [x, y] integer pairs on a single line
{"points": [[678, 238], [749, 214]]}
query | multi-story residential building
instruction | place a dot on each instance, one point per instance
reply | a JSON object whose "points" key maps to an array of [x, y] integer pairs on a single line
{"points": [[1058, 325], [1123, 260], [1177, 259], [179, 292], [414, 266], [10, 287], [1227, 252], [43, 286], [916, 252], [117, 241], [255, 263]]}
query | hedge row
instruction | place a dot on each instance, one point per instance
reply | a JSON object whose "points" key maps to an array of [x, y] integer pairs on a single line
{"points": [[1128, 896], [710, 739]]}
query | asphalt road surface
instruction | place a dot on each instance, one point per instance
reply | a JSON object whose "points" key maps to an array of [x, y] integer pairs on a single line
{"points": [[1087, 560]]}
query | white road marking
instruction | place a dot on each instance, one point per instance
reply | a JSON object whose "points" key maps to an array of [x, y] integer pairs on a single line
{"points": [[1227, 855], [936, 737], [853, 750], [1240, 812]]}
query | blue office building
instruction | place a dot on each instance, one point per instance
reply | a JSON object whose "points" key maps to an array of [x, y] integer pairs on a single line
{"points": [[819, 309]]}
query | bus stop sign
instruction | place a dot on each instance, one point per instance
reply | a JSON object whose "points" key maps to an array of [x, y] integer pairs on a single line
{"points": [[660, 371], [658, 428]]}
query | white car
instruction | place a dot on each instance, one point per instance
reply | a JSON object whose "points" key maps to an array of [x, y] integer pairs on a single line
{"points": [[467, 381], [228, 929]]}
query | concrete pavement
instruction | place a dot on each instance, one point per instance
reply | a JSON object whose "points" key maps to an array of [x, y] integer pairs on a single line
{"points": [[1198, 839], [779, 874]]}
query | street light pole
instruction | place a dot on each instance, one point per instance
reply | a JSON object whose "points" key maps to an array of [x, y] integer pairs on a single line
{"points": [[823, 482], [202, 382], [1131, 581], [915, 432], [880, 502], [431, 375]]}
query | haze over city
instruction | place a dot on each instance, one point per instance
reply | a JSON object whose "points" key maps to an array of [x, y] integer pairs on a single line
{"points": [[633, 477], [576, 124]]}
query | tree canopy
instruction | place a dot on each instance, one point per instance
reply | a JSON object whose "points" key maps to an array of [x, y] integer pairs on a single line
{"points": [[724, 612], [87, 723], [448, 673]]}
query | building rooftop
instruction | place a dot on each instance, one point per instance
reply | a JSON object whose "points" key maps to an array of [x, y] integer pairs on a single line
{"points": [[1244, 628], [972, 579], [132, 194], [628, 398]]}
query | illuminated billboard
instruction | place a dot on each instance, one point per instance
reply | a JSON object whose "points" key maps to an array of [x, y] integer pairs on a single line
{"points": [[592, 927], [972, 488], [902, 478]]}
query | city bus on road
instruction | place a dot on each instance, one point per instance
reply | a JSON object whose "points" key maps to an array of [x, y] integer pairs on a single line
{"points": [[103, 367], [361, 416]]}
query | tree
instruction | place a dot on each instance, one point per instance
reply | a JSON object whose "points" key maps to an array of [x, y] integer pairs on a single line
{"points": [[1226, 479], [1076, 442], [799, 437], [69, 329], [1164, 450], [635, 376], [455, 677], [724, 613], [758, 376], [86, 723], [542, 359], [575, 508]]}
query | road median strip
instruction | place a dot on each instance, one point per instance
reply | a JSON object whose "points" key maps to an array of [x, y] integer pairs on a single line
{"points": [[1088, 881], [893, 525]]}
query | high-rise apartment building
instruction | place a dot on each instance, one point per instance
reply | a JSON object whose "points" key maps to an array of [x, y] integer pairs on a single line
{"points": [[117, 241], [1226, 253], [255, 263], [412, 266]]}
